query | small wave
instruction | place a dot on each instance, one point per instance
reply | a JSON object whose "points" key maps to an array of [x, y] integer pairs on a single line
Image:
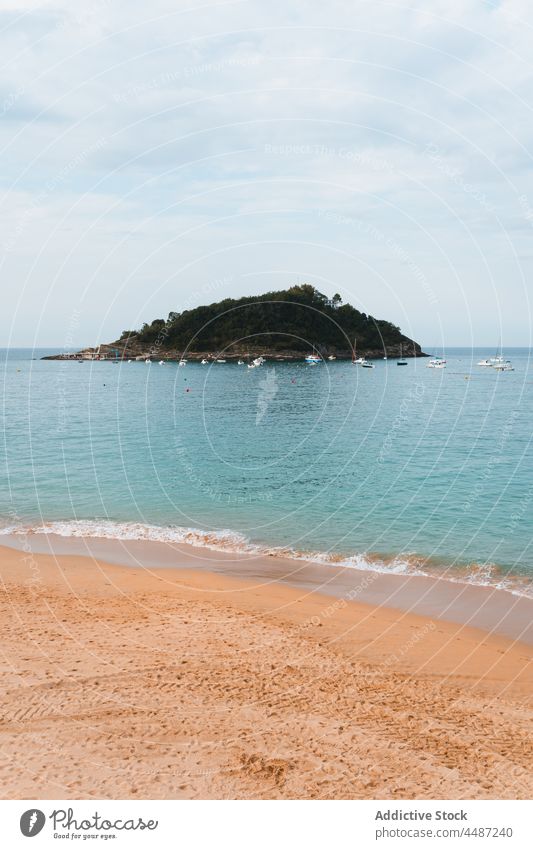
{"points": [[103, 529], [485, 574]]}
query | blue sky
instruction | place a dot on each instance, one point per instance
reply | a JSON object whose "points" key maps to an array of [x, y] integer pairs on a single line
{"points": [[159, 156]]}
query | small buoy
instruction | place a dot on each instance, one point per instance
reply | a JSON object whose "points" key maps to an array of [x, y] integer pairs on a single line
{"points": [[187, 390]]}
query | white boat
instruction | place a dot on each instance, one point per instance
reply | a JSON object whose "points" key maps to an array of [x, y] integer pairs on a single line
{"points": [[148, 362], [498, 359], [162, 362], [182, 363], [313, 359], [356, 361], [204, 362], [437, 362], [366, 364], [486, 363], [401, 361], [240, 363], [257, 362], [331, 358], [499, 362], [220, 361]]}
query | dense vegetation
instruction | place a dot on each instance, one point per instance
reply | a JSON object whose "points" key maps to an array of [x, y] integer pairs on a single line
{"points": [[291, 320]]}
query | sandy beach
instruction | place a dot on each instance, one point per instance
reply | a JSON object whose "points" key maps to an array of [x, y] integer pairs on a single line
{"points": [[177, 683]]}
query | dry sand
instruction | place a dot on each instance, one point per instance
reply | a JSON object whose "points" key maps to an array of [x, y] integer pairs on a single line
{"points": [[126, 683]]}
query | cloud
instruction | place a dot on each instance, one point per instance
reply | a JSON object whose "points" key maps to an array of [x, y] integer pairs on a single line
{"points": [[195, 131]]}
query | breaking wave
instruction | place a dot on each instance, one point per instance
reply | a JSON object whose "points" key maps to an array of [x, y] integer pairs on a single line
{"points": [[484, 574]]}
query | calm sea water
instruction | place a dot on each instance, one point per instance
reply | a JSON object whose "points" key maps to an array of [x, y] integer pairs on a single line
{"points": [[409, 469]]}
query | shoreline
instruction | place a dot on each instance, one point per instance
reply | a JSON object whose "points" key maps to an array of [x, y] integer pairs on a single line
{"points": [[491, 609], [196, 357], [190, 683]]}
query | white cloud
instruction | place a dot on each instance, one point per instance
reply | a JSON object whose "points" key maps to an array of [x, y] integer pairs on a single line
{"points": [[248, 121]]}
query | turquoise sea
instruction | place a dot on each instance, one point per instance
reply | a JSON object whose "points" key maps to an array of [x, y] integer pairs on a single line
{"points": [[407, 469]]}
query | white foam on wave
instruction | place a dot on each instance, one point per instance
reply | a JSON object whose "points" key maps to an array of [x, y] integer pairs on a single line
{"points": [[364, 562], [106, 529], [225, 540], [487, 575]]}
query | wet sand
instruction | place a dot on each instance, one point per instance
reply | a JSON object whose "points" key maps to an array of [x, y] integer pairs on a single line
{"points": [[493, 610], [160, 682]]}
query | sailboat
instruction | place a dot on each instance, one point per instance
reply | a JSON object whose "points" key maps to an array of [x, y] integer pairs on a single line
{"points": [[401, 361], [498, 362], [360, 360]]}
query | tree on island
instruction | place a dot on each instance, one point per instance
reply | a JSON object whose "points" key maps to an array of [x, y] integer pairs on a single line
{"points": [[293, 319]]}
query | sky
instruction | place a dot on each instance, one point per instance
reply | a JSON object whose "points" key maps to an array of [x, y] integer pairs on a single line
{"points": [[157, 156]]}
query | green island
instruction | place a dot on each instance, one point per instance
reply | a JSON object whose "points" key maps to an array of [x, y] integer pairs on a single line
{"points": [[284, 325]]}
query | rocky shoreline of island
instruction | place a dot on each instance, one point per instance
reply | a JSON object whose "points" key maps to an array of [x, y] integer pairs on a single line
{"points": [[126, 353]]}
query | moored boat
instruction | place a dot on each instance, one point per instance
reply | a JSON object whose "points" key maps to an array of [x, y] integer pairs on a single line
{"points": [[356, 361], [257, 362]]}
